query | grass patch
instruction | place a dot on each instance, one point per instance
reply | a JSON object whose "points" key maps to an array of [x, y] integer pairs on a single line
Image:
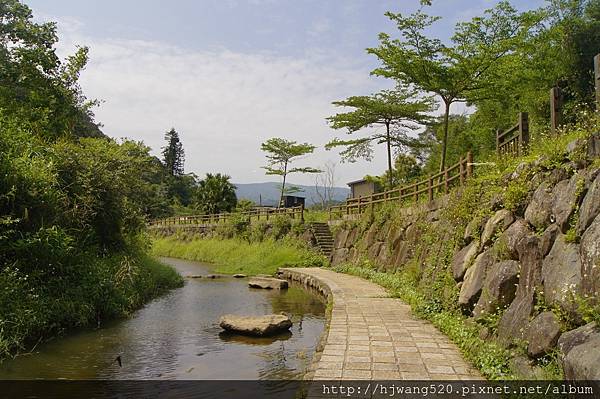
{"points": [[239, 256], [316, 215]]}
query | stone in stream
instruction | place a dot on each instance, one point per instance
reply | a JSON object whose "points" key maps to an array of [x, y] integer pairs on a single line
{"points": [[258, 326], [239, 275], [267, 283], [194, 276]]}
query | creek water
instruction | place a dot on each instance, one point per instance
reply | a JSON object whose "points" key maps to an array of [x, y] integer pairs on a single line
{"points": [[177, 336]]}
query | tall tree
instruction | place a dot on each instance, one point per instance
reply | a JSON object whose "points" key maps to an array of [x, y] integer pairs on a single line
{"points": [[216, 194], [399, 111], [453, 72], [36, 87], [173, 154], [280, 154]]}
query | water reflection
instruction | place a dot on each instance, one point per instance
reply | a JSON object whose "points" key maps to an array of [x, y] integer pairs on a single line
{"points": [[177, 337], [243, 339]]}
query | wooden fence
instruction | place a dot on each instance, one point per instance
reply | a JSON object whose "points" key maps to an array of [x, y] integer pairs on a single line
{"points": [[440, 182], [515, 140], [218, 218]]}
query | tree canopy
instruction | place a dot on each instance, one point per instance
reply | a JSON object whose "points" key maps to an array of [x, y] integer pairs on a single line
{"points": [[400, 111], [173, 154], [215, 194], [36, 87], [458, 71]]}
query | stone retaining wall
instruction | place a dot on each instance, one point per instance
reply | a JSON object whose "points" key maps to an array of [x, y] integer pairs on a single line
{"points": [[325, 291]]}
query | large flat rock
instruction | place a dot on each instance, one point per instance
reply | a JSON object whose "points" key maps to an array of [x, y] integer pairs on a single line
{"points": [[258, 326], [267, 283]]}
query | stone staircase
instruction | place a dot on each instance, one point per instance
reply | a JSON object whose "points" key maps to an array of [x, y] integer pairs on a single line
{"points": [[323, 236]]}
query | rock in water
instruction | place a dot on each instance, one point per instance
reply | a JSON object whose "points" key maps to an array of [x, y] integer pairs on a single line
{"points": [[258, 326], [239, 275], [267, 283]]}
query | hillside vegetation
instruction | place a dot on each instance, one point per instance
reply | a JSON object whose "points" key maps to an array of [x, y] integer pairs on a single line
{"points": [[498, 256]]}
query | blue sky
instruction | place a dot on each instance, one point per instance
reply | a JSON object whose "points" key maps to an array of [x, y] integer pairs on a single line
{"points": [[229, 74]]}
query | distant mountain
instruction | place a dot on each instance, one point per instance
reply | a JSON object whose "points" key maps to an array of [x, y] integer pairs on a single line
{"points": [[270, 193]]}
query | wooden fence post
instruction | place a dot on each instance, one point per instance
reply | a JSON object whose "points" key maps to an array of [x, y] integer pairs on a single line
{"points": [[597, 80], [555, 105], [461, 168], [446, 181], [469, 164], [523, 133], [415, 192], [302, 213], [430, 189], [498, 150]]}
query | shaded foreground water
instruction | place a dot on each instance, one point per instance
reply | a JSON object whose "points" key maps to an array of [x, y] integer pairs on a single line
{"points": [[177, 337]]}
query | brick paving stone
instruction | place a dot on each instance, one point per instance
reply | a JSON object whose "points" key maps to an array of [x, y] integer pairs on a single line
{"points": [[386, 375], [356, 374], [373, 336], [385, 366], [357, 366]]}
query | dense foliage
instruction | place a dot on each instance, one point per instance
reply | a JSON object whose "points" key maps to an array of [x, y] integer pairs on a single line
{"points": [[73, 203], [215, 194]]}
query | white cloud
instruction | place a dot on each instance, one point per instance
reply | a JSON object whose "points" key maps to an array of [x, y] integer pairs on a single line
{"points": [[223, 103]]}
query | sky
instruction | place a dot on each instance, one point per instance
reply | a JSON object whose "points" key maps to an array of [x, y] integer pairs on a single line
{"points": [[229, 74]]}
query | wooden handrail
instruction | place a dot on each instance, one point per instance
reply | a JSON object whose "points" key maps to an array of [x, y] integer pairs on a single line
{"points": [[515, 140], [216, 218], [460, 171]]}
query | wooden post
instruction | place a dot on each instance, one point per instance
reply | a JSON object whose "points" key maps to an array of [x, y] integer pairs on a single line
{"points": [[597, 80], [446, 181], [302, 213], [462, 171], [415, 189], [498, 149], [469, 164], [555, 106], [523, 133], [430, 189]]}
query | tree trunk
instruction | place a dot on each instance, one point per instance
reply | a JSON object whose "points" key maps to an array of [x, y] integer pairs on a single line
{"points": [[445, 139], [389, 155], [283, 184]]}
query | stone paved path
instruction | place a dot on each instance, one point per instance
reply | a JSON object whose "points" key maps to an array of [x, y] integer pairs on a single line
{"points": [[373, 336]]}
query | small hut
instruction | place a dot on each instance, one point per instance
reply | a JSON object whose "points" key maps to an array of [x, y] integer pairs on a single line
{"points": [[363, 188]]}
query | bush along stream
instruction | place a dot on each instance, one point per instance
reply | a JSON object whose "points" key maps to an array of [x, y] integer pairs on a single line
{"points": [[72, 247]]}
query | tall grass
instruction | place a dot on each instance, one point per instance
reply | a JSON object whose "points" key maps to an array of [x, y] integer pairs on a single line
{"points": [[240, 256], [90, 290]]}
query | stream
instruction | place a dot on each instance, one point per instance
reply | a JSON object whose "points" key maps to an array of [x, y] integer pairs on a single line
{"points": [[177, 337]]}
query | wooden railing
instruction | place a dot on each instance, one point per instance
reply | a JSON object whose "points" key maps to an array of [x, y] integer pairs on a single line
{"points": [[515, 140], [440, 182], [215, 219]]}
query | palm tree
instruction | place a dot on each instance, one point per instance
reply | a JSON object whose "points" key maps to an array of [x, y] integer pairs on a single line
{"points": [[215, 194]]}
